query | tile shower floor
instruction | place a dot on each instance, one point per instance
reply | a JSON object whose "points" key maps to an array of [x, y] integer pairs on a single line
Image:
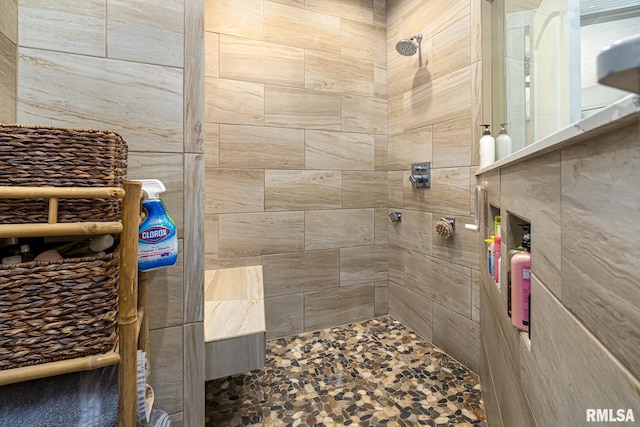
{"points": [[373, 373]]}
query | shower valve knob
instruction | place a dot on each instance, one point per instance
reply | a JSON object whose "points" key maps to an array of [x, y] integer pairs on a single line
{"points": [[420, 175]]}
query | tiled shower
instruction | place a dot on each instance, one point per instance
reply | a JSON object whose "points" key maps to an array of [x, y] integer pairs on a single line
{"points": [[312, 121]]}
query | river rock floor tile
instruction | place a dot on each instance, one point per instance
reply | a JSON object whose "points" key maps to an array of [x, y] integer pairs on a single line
{"points": [[372, 373]]}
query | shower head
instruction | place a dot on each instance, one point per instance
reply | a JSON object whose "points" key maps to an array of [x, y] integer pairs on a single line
{"points": [[409, 47]]}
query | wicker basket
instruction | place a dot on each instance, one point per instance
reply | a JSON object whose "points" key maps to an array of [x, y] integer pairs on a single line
{"points": [[57, 310], [59, 157]]}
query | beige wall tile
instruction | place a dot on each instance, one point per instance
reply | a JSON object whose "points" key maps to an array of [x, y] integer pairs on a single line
{"points": [[600, 203], [363, 40], [479, 112], [410, 147], [148, 117], [170, 169], [363, 114], [307, 29], [491, 409], [380, 152], [457, 335], [364, 189], [566, 351], [339, 151], [194, 373], [160, 29], [338, 73], [380, 80], [452, 143], [364, 264], [397, 8], [382, 299], [413, 232], [395, 195], [166, 299], [462, 248], [167, 363], [234, 102], [396, 264], [177, 419], [63, 26], [234, 190], [295, 3], [193, 86], [212, 145], [211, 54], [328, 229], [475, 295], [411, 309], [382, 226], [194, 219], [9, 20], [395, 117], [300, 190], [244, 19], [271, 148], [261, 62], [252, 234], [8, 79], [476, 31], [248, 261], [537, 183], [210, 239], [446, 98], [440, 281], [449, 192], [301, 272], [302, 109], [451, 49], [284, 315], [361, 10], [339, 306], [435, 16], [380, 12]]}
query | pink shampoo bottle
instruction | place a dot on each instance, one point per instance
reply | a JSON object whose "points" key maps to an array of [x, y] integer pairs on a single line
{"points": [[520, 290]]}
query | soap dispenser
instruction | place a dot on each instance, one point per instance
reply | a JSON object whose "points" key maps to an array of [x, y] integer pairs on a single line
{"points": [[487, 148], [503, 142]]}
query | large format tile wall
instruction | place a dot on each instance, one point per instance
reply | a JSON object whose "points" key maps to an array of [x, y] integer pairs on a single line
{"points": [[582, 202], [295, 147], [8, 60], [135, 67], [434, 115]]}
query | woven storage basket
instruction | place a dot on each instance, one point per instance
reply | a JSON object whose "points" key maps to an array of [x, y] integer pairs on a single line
{"points": [[59, 157], [57, 310]]}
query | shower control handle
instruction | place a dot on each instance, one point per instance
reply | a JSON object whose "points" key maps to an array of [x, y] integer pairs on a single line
{"points": [[420, 175]]}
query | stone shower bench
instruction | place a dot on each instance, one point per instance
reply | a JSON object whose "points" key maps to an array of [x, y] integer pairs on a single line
{"points": [[234, 321]]}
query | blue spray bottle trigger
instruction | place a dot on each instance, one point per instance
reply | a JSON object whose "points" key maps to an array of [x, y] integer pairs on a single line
{"points": [[157, 237]]}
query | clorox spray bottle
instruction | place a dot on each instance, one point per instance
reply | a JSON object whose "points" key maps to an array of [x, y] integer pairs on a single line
{"points": [[157, 237]]}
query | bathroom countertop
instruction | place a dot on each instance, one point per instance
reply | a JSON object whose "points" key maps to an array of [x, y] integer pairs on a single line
{"points": [[616, 115]]}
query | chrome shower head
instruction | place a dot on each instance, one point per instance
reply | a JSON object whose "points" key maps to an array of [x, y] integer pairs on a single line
{"points": [[409, 47]]}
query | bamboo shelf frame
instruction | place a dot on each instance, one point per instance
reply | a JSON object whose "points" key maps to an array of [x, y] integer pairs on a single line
{"points": [[133, 320]]}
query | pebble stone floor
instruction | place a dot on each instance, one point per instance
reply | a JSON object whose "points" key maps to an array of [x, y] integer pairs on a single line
{"points": [[373, 373]]}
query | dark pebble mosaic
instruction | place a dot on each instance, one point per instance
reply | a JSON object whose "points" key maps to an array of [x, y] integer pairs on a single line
{"points": [[373, 373]]}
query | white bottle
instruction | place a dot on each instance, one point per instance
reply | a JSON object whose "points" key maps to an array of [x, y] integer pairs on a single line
{"points": [[503, 143], [487, 148]]}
